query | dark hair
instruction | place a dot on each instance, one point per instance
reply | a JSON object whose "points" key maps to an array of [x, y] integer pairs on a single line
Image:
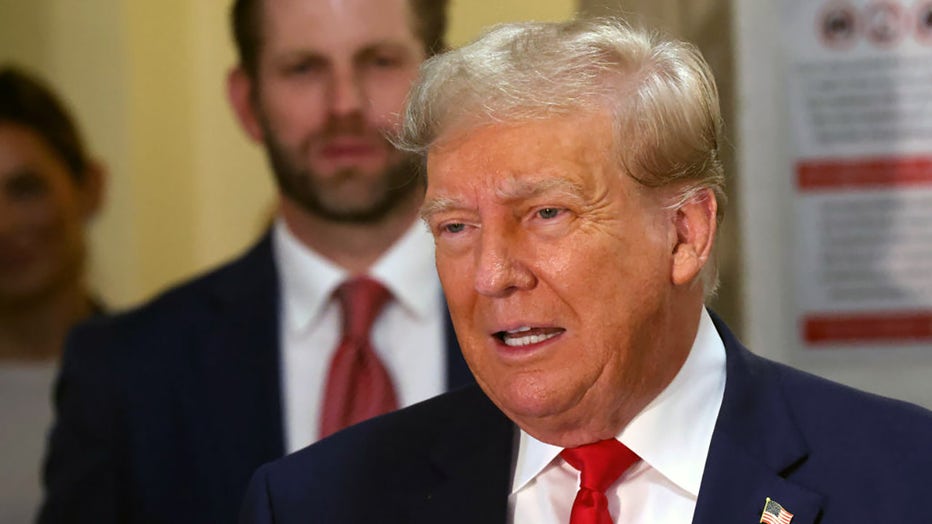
{"points": [[430, 25], [26, 101]]}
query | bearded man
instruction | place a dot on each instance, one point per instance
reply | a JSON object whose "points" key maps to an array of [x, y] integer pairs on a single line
{"points": [[336, 315]]}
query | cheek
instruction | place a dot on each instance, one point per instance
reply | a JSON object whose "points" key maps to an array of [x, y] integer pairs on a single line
{"points": [[608, 282], [41, 217], [292, 111], [456, 278], [61, 224], [387, 98], [582, 266]]}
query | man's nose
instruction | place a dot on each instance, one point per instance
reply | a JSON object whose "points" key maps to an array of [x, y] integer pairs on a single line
{"points": [[500, 270], [346, 93]]}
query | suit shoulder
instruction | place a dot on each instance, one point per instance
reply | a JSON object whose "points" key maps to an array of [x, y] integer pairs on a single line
{"points": [[180, 312], [814, 396], [397, 438], [251, 273], [828, 413]]}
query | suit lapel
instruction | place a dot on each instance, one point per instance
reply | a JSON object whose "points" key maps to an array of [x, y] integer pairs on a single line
{"points": [[736, 485], [240, 369], [754, 449], [470, 468]]}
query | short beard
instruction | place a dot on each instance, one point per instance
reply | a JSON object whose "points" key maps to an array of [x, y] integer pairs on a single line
{"points": [[402, 178]]}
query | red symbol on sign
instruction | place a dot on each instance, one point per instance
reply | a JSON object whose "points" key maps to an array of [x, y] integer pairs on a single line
{"points": [[885, 23], [838, 25]]}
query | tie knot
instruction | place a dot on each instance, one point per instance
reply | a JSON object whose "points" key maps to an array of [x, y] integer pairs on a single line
{"points": [[361, 299], [600, 463]]}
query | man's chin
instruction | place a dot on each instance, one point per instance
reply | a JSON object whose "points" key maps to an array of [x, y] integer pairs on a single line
{"points": [[360, 207]]}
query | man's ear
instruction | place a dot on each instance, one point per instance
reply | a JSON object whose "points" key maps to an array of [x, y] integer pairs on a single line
{"points": [[240, 91], [695, 222]]}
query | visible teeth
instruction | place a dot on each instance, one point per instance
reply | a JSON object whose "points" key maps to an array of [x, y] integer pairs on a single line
{"points": [[527, 339], [520, 329]]}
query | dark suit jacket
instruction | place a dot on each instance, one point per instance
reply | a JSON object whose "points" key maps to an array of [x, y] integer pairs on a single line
{"points": [[827, 453], [163, 413]]}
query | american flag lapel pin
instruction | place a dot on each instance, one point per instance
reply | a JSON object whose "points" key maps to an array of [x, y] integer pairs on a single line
{"points": [[774, 513]]}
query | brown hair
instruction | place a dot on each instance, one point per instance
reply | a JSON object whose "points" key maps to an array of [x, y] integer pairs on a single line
{"points": [[27, 102], [430, 25]]}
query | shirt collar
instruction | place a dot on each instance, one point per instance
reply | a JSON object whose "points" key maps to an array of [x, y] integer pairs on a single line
{"points": [[673, 433], [308, 280], [407, 269]]}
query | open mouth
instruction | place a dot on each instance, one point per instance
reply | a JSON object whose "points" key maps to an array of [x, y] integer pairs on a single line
{"points": [[527, 336]]}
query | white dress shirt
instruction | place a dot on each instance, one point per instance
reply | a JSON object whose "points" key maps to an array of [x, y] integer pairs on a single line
{"points": [[408, 335], [672, 436]]}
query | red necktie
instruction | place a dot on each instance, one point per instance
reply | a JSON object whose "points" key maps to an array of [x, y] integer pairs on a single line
{"points": [[358, 386], [599, 464]]}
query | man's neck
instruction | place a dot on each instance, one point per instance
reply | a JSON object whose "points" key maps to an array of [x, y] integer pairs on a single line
{"points": [[354, 247]]}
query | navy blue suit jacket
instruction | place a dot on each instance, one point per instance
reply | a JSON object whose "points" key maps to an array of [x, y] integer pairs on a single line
{"points": [[164, 413], [829, 454]]}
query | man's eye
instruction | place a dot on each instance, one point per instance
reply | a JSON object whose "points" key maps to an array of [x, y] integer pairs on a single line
{"points": [[454, 228], [385, 61], [26, 185], [304, 67], [548, 212]]}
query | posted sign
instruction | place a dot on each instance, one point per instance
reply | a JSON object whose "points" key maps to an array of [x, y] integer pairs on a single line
{"points": [[860, 102]]}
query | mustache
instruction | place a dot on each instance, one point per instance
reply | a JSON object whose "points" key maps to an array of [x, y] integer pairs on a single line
{"points": [[353, 124], [344, 126]]}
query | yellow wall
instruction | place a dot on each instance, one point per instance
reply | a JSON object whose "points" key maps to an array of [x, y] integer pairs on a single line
{"points": [[468, 17], [146, 82]]}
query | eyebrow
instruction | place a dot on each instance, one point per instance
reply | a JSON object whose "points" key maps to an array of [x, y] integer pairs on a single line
{"points": [[512, 190], [438, 205], [383, 46], [367, 51]]}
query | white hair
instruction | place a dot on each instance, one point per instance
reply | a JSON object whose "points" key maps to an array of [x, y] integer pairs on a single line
{"points": [[661, 94]]}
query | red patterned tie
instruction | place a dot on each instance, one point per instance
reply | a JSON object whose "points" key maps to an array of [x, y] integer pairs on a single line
{"points": [[599, 464], [358, 386]]}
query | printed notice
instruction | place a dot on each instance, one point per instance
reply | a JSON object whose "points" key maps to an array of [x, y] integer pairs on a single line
{"points": [[860, 99]]}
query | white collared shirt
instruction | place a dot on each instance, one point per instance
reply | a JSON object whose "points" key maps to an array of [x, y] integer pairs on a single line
{"points": [[671, 435], [408, 335]]}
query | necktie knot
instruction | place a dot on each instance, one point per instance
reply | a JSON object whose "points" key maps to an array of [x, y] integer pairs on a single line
{"points": [[599, 464], [361, 300]]}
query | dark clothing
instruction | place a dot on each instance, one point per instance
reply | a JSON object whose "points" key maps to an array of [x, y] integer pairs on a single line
{"points": [[828, 453], [163, 413]]}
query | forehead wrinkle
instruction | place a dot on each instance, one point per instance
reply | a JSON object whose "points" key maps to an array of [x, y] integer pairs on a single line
{"points": [[523, 188], [513, 188]]}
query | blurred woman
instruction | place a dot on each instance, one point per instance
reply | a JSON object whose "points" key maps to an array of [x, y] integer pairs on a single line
{"points": [[49, 188]]}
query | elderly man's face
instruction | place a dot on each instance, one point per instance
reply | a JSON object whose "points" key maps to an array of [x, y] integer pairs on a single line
{"points": [[561, 274]]}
